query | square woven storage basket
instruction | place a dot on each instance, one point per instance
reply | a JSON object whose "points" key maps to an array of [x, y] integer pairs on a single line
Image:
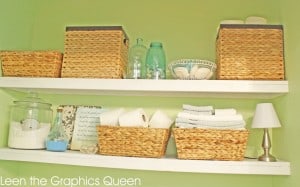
{"points": [[250, 52], [132, 141], [31, 63], [95, 52], [210, 144]]}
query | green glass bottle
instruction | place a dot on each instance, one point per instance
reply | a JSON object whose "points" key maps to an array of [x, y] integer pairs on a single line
{"points": [[156, 61]]}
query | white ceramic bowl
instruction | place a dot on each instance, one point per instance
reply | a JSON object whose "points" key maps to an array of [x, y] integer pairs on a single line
{"points": [[192, 69]]}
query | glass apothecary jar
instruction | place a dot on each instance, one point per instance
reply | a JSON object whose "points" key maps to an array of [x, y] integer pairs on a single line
{"points": [[156, 61], [30, 123], [136, 68]]}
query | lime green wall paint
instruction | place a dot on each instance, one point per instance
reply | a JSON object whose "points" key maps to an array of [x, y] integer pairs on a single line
{"points": [[287, 138], [16, 19], [187, 29], [6, 168], [6, 101]]}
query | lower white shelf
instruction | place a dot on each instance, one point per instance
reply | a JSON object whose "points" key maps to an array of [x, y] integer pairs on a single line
{"points": [[248, 166]]}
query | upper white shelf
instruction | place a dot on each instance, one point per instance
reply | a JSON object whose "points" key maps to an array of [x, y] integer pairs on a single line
{"points": [[143, 87], [248, 166]]}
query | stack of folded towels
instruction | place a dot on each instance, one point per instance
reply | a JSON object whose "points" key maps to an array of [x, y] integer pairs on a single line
{"points": [[207, 117]]}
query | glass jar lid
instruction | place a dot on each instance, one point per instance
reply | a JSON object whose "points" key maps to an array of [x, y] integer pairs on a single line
{"points": [[32, 100]]}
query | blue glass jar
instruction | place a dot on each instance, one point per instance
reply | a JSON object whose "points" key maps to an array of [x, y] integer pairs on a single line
{"points": [[156, 61]]}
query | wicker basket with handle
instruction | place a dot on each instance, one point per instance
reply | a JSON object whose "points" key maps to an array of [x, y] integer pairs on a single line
{"points": [[132, 141], [250, 52], [210, 144], [95, 52], [31, 63]]}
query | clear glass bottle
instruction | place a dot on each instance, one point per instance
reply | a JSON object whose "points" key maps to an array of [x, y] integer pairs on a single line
{"points": [[57, 139], [30, 123], [156, 61], [136, 68]]}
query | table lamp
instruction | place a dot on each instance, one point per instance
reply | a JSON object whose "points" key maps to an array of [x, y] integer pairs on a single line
{"points": [[265, 117]]}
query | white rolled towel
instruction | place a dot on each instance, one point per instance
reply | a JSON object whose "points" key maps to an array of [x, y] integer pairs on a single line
{"points": [[111, 117], [160, 120], [134, 118]]}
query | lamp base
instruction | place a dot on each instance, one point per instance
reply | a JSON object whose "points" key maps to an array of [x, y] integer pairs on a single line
{"points": [[267, 158]]}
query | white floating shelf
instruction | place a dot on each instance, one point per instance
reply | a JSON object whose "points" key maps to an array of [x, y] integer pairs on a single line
{"points": [[147, 87], [248, 166]]}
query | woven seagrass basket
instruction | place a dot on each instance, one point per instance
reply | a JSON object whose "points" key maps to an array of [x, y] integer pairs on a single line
{"points": [[31, 63], [95, 52], [250, 52], [210, 144], [132, 141]]}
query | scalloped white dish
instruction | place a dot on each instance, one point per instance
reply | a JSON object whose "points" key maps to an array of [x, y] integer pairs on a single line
{"points": [[192, 69]]}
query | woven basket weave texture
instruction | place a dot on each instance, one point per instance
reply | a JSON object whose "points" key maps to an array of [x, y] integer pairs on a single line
{"points": [[31, 63], [210, 144], [95, 52], [250, 52], [132, 141]]}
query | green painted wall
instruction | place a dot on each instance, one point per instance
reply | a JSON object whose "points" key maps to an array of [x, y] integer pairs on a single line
{"points": [[16, 24], [188, 30], [16, 21], [286, 140]]}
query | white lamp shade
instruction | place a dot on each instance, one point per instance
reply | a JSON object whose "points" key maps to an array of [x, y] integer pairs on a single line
{"points": [[265, 116]]}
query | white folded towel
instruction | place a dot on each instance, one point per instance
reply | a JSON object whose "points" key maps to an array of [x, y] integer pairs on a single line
{"points": [[206, 117], [211, 123], [188, 125], [225, 111], [198, 112], [197, 108], [237, 117]]}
